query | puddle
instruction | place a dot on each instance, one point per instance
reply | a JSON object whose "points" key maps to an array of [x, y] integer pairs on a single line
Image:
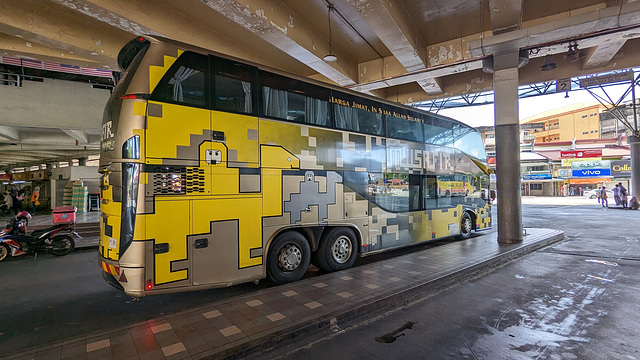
{"points": [[600, 278], [392, 336], [608, 263]]}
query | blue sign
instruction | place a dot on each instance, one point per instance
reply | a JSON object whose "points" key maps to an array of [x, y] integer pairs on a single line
{"points": [[536, 176], [591, 172]]}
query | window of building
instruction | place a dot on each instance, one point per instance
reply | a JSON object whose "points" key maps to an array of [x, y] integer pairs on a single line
{"points": [[535, 186]]}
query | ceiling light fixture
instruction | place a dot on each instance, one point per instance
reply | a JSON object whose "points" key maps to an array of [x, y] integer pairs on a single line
{"points": [[330, 57], [548, 63]]}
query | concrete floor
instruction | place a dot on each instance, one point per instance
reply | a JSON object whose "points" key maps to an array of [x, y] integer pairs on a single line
{"points": [[577, 299], [572, 300]]}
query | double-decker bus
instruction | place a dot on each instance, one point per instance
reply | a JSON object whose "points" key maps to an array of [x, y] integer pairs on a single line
{"points": [[217, 172]]}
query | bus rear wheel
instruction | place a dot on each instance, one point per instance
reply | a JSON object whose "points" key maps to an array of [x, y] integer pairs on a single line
{"points": [[288, 257], [338, 250], [466, 225]]}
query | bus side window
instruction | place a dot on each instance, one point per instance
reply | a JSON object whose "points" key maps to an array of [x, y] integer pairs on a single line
{"points": [[233, 86], [404, 129], [293, 100], [185, 82], [350, 118]]}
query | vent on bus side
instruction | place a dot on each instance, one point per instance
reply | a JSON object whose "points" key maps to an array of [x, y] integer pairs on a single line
{"points": [[168, 179], [194, 180]]}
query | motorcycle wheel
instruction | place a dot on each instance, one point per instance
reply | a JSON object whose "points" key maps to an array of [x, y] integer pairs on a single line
{"points": [[62, 245], [4, 252]]}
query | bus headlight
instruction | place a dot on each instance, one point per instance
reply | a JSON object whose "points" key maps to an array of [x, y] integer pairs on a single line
{"points": [[130, 181], [131, 148]]}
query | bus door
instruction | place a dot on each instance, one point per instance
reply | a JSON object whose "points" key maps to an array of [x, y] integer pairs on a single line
{"points": [[226, 243], [177, 136]]}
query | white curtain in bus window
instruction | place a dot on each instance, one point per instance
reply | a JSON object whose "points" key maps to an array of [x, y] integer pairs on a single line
{"points": [[187, 86], [295, 107], [349, 118], [404, 129], [232, 94]]}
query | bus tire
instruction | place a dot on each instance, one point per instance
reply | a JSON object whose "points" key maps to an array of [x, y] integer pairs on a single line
{"points": [[338, 250], [466, 225], [288, 257]]}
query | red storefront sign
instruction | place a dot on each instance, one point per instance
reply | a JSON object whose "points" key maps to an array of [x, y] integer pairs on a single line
{"points": [[5, 177], [577, 154]]}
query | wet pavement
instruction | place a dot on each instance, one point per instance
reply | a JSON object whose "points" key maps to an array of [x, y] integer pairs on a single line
{"points": [[464, 299]]}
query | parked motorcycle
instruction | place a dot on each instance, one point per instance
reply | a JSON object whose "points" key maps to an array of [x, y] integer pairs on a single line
{"points": [[15, 241]]}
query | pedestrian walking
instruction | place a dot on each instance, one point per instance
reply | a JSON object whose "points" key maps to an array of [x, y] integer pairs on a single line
{"points": [[603, 195], [616, 194], [34, 200]]}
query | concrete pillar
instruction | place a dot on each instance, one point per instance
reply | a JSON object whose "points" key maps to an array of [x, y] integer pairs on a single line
{"points": [[505, 82], [634, 147]]}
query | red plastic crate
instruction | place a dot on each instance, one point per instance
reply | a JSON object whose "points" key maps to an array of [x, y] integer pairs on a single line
{"points": [[64, 215]]}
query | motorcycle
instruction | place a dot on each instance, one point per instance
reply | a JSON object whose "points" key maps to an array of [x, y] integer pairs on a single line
{"points": [[15, 241]]}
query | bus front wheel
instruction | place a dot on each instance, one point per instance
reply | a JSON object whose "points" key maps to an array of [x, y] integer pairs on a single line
{"points": [[466, 225], [288, 257], [338, 250]]}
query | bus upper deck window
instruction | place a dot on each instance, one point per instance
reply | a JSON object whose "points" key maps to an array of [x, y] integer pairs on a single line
{"points": [[185, 82]]}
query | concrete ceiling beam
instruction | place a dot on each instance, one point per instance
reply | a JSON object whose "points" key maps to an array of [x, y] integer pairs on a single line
{"points": [[420, 76], [506, 15], [391, 23], [277, 24], [171, 20], [108, 17], [80, 136], [61, 28], [601, 55], [10, 133], [17, 47], [602, 20]]}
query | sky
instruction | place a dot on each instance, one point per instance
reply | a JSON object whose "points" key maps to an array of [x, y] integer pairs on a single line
{"points": [[483, 115]]}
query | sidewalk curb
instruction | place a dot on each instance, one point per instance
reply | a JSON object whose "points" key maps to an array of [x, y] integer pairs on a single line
{"points": [[254, 349]]}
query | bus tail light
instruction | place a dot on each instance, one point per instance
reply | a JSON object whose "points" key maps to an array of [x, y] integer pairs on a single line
{"points": [[149, 284]]}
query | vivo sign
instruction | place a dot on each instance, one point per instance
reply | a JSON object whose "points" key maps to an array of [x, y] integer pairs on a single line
{"points": [[591, 172]]}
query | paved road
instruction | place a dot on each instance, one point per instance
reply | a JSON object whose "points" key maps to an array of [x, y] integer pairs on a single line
{"points": [[52, 298], [577, 299]]}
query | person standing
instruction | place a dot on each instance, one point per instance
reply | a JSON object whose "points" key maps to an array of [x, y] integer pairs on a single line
{"points": [[8, 201], [616, 194], [603, 195], [34, 200], [623, 197]]}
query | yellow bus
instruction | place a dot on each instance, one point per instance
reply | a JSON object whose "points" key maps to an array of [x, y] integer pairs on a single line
{"points": [[217, 172]]}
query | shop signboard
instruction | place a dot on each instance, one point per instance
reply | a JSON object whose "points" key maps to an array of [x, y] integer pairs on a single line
{"points": [[567, 162], [621, 168], [536, 176], [574, 154], [598, 164], [5, 177], [591, 172]]}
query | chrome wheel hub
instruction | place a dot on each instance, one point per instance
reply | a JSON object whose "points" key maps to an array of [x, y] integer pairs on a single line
{"points": [[341, 250], [466, 225], [290, 257]]}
